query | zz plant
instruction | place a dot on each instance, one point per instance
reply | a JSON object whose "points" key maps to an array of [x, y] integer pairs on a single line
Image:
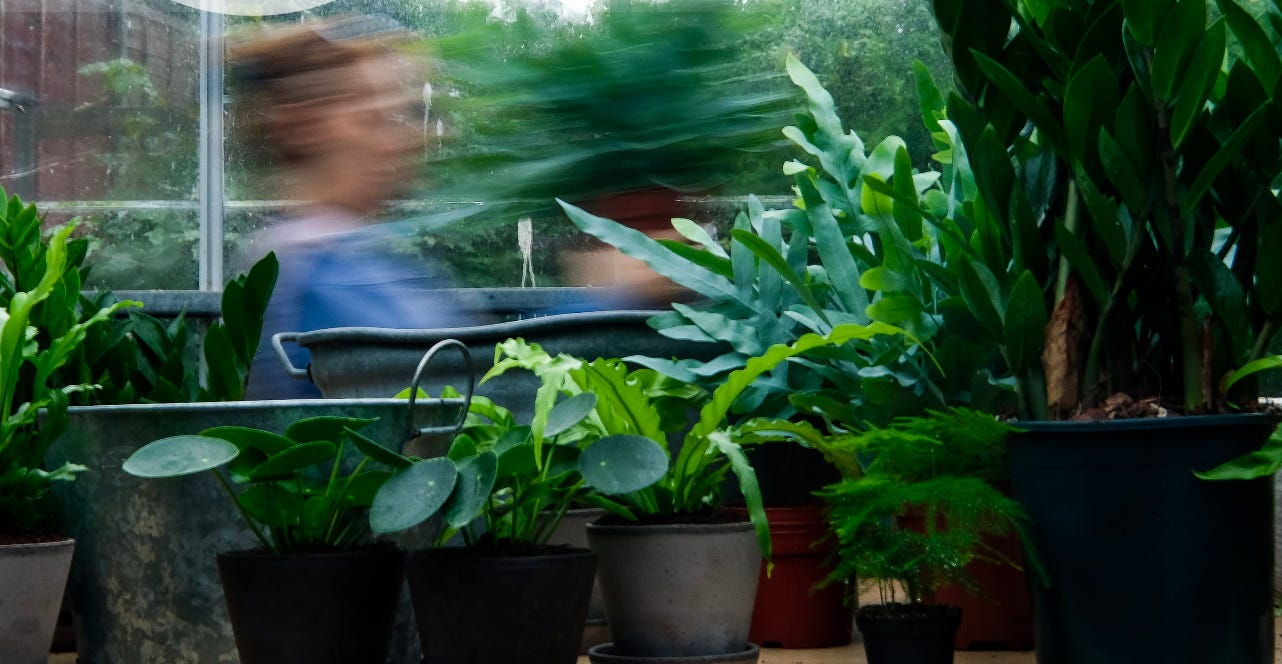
{"points": [[307, 489], [1126, 221], [42, 327]]}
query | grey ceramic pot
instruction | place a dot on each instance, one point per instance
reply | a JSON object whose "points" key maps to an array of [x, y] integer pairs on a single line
{"points": [[677, 590], [144, 585], [32, 577]]}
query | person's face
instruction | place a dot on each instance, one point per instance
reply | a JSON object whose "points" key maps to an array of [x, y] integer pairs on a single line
{"points": [[360, 144]]}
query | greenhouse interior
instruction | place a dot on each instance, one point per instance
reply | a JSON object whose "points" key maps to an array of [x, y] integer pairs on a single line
{"points": [[640, 331]]}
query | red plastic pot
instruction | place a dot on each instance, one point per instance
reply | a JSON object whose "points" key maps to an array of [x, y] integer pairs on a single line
{"points": [[790, 610]]}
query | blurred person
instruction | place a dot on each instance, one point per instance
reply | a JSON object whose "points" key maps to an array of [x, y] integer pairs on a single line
{"points": [[334, 109]]}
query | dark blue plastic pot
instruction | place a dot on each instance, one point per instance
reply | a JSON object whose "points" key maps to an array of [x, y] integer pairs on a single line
{"points": [[1148, 563]]}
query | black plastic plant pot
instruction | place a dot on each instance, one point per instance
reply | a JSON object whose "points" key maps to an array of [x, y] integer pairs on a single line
{"points": [[908, 633], [1146, 562], [315, 608], [479, 607]]}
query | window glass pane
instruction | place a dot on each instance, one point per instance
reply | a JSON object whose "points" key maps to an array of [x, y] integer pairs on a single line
{"points": [[862, 50], [98, 118]]}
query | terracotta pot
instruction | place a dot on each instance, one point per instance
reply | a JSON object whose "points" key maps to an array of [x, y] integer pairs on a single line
{"points": [[791, 610]]}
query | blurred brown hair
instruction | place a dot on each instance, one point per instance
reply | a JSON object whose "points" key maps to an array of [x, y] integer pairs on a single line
{"points": [[277, 69]]}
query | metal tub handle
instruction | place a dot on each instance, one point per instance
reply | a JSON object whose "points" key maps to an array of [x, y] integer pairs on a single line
{"points": [[278, 344], [467, 396]]}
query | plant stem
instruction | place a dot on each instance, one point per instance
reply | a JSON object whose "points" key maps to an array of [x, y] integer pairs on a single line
{"points": [[243, 514], [1070, 224]]}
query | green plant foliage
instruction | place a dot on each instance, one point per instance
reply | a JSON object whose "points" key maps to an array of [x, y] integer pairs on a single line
{"points": [[297, 493], [1125, 171], [868, 241], [142, 359], [43, 324], [646, 96], [922, 507], [518, 480]]}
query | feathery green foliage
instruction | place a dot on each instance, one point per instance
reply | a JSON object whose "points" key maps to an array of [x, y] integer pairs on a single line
{"points": [[923, 508]]}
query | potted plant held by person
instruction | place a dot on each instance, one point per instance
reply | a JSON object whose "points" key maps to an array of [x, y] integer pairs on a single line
{"points": [[915, 511], [502, 489], [34, 559], [317, 588], [1120, 257]]}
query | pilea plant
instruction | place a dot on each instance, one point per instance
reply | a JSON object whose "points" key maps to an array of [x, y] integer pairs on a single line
{"points": [[518, 479], [622, 411], [307, 489]]}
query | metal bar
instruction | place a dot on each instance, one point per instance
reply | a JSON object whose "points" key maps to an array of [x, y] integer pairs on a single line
{"points": [[211, 201]]}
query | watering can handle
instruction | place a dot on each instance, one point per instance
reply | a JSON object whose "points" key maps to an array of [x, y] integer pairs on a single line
{"points": [[467, 396], [278, 344]]}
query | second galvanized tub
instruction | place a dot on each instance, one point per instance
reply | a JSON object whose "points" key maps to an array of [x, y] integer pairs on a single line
{"points": [[144, 583], [372, 362]]}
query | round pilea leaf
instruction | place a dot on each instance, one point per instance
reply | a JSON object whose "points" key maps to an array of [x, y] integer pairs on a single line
{"points": [[568, 413], [623, 463], [476, 476], [179, 455], [413, 495]]}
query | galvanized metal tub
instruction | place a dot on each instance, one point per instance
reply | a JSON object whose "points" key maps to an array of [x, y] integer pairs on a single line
{"points": [[370, 362], [144, 583]]}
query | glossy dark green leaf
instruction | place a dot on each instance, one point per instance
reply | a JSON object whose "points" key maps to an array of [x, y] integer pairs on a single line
{"points": [[1025, 323], [1024, 99], [325, 427], [244, 437], [179, 455], [413, 495], [294, 460], [982, 295], [1180, 34], [1090, 100], [907, 215], [1144, 17], [476, 477], [376, 452], [1230, 150], [1222, 290], [623, 463], [1196, 82], [1260, 51], [1083, 261], [1121, 171]]}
